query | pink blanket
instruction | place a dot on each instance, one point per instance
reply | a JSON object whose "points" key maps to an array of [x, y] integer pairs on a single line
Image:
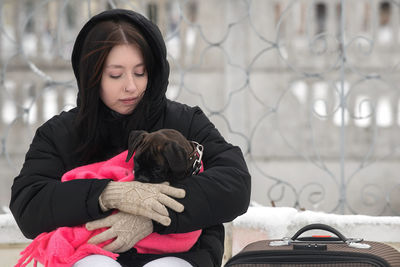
{"points": [[66, 245]]}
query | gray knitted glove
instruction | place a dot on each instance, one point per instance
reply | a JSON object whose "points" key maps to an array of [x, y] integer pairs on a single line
{"points": [[144, 199], [127, 229]]}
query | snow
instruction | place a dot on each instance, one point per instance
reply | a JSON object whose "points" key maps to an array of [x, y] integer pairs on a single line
{"points": [[9, 231], [285, 222], [277, 223], [274, 221]]}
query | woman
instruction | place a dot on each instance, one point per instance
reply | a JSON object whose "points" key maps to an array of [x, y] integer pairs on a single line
{"points": [[119, 60]]}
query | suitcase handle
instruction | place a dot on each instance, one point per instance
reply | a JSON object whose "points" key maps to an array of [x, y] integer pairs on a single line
{"points": [[319, 226]]}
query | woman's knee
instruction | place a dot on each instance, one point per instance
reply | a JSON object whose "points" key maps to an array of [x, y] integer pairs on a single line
{"points": [[168, 262], [98, 261]]}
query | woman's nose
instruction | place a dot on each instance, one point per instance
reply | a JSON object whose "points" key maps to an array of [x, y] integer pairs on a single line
{"points": [[130, 85]]}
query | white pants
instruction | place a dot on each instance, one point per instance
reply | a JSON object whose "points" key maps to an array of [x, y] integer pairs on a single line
{"points": [[104, 261]]}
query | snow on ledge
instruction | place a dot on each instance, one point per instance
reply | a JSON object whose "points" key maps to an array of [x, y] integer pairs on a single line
{"points": [[9, 231], [276, 222], [284, 222]]}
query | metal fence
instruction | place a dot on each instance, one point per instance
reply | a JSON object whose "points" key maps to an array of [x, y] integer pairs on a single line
{"points": [[308, 89]]}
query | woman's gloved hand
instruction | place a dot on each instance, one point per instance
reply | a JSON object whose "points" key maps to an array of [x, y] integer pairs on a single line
{"points": [[144, 199], [127, 229]]}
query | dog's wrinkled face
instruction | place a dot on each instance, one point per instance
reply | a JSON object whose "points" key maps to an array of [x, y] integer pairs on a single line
{"points": [[160, 156]]}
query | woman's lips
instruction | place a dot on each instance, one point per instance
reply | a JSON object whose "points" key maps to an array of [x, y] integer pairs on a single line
{"points": [[128, 101]]}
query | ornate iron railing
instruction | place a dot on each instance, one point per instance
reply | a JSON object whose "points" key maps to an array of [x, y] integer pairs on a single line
{"points": [[308, 89]]}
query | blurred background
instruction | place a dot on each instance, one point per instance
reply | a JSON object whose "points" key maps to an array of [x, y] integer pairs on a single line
{"points": [[309, 89]]}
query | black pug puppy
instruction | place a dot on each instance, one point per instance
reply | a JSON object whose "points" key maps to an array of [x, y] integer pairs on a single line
{"points": [[163, 156]]}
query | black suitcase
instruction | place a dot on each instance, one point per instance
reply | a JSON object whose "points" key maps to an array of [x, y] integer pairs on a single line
{"points": [[316, 251]]}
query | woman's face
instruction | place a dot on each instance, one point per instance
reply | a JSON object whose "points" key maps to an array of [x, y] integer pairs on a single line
{"points": [[124, 79]]}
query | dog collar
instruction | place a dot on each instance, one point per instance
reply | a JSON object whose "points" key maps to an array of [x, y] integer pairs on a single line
{"points": [[196, 157]]}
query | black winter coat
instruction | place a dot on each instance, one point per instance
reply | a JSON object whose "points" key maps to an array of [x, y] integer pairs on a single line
{"points": [[41, 203]]}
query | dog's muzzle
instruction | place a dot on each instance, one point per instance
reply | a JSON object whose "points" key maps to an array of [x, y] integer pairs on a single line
{"points": [[196, 157]]}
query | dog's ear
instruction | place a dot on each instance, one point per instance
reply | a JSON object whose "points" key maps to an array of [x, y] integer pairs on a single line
{"points": [[176, 157], [135, 139]]}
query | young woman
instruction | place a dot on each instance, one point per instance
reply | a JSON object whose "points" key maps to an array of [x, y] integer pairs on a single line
{"points": [[119, 60]]}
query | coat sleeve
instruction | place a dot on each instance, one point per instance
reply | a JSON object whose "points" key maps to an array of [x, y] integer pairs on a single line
{"points": [[222, 191], [40, 202]]}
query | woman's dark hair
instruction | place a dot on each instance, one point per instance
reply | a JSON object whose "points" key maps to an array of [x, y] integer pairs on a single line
{"points": [[96, 47]]}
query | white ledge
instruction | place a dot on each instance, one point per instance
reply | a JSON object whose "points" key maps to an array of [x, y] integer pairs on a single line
{"points": [[9, 231], [284, 222], [276, 222]]}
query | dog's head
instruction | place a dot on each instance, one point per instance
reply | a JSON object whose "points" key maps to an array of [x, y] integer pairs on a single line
{"points": [[164, 155]]}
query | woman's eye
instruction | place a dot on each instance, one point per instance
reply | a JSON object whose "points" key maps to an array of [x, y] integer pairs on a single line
{"points": [[115, 76], [139, 74]]}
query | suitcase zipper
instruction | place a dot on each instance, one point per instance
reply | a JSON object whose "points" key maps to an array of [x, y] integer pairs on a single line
{"points": [[283, 257]]}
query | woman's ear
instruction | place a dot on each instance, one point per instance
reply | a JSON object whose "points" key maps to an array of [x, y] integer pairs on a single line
{"points": [[135, 139]]}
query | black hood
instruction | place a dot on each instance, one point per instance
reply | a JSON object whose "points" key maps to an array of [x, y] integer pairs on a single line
{"points": [[158, 76]]}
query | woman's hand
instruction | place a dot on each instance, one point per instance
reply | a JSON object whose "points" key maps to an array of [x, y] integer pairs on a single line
{"points": [[144, 199], [127, 229]]}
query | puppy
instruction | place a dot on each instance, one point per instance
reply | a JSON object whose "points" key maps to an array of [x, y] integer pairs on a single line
{"points": [[163, 156]]}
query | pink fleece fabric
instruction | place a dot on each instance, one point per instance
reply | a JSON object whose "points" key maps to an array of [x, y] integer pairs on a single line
{"points": [[66, 245]]}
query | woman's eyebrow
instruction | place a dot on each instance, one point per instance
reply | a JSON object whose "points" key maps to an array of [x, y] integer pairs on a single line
{"points": [[116, 66]]}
